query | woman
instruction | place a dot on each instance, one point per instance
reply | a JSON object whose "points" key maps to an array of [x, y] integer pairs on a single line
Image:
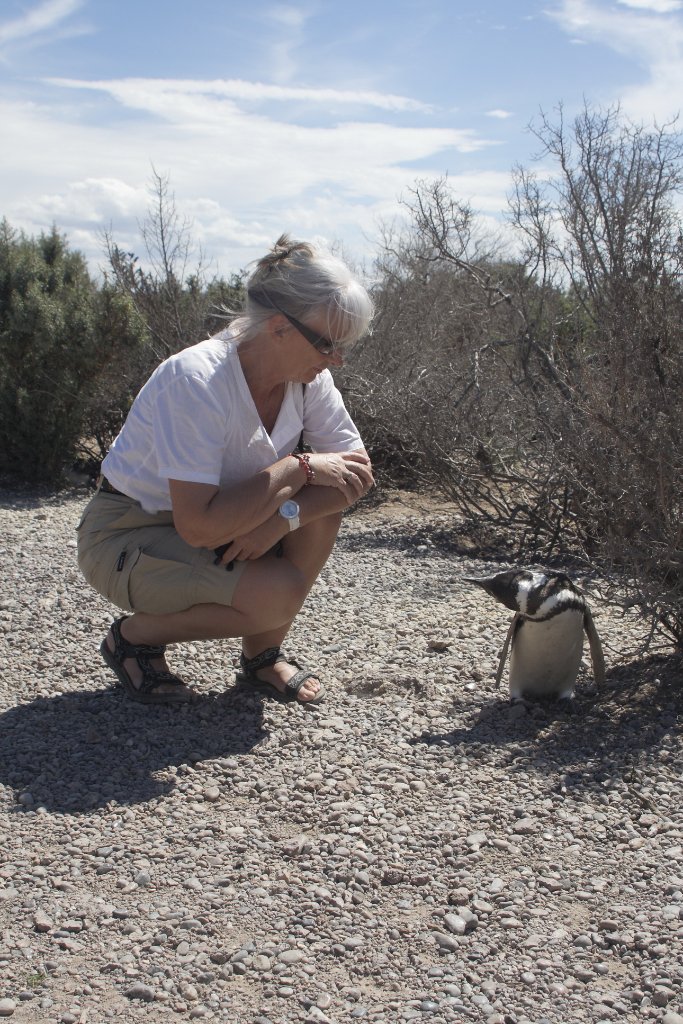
{"points": [[207, 522]]}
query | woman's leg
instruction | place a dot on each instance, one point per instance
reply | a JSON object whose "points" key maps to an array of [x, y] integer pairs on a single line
{"points": [[308, 549], [268, 596]]}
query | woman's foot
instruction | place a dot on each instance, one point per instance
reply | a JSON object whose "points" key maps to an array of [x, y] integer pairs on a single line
{"points": [[142, 669], [280, 674], [271, 669]]}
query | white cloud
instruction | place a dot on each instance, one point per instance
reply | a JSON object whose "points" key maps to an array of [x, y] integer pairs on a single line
{"points": [[654, 43], [38, 20], [500, 114], [289, 23], [237, 137], [91, 201], [242, 176], [125, 89], [485, 191], [288, 15], [656, 6]]}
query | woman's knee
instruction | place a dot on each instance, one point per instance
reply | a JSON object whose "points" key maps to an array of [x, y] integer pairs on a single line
{"points": [[331, 524], [293, 592], [271, 592], [310, 546]]}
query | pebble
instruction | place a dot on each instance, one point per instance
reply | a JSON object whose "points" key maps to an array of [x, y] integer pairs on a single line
{"points": [[407, 850], [291, 956], [455, 923], [7, 1007], [140, 991]]}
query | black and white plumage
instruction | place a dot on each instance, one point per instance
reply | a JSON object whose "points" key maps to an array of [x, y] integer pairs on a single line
{"points": [[546, 632]]}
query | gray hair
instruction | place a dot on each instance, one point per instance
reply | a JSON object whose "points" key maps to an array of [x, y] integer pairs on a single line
{"points": [[304, 281]]}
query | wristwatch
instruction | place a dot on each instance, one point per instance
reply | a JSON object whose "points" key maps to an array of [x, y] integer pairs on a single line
{"points": [[289, 510]]}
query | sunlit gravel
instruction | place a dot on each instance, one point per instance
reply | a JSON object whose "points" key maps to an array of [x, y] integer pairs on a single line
{"points": [[415, 849]]}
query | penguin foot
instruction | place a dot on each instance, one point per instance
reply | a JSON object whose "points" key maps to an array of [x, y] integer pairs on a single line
{"points": [[517, 708]]}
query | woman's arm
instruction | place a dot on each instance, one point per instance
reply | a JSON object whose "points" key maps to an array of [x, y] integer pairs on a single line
{"points": [[208, 516], [314, 503]]}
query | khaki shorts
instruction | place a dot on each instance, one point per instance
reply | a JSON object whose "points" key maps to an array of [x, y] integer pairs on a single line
{"points": [[138, 561]]}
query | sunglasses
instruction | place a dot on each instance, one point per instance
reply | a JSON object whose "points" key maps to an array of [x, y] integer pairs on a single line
{"points": [[318, 341]]}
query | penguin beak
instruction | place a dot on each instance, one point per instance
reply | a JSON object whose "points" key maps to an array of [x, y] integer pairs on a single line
{"points": [[480, 581], [497, 586]]}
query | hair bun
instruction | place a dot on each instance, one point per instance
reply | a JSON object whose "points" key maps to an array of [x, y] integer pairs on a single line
{"points": [[283, 246]]}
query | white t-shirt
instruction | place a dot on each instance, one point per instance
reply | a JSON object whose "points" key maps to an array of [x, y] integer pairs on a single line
{"points": [[195, 420]]}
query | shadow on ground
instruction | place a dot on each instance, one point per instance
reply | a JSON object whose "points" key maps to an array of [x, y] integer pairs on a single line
{"points": [[78, 751], [632, 719], [31, 496], [446, 534]]}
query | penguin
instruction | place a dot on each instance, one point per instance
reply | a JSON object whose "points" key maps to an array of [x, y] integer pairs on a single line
{"points": [[546, 632]]}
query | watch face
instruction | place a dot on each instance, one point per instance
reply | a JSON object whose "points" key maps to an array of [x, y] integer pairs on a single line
{"points": [[289, 509]]}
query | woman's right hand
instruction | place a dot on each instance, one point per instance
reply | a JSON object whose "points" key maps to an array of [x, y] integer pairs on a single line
{"points": [[349, 472]]}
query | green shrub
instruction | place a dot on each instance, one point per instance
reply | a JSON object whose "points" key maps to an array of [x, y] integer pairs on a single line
{"points": [[58, 336]]}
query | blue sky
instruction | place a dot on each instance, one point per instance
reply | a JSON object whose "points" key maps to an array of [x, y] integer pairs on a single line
{"points": [[313, 117]]}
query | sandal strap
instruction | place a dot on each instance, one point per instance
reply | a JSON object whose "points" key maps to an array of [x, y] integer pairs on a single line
{"points": [[271, 656], [153, 677], [265, 659], [123, 649], [297, 681]]}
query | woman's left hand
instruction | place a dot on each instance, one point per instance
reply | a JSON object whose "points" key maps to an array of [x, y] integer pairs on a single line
{"points": [[348, 472], [257, 542]]}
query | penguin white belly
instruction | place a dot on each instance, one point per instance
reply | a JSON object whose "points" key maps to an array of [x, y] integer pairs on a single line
{"points": [[546, 656]]}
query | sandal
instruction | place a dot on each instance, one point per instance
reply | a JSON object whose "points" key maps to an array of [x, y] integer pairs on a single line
{"points": [[271, 656], [151, 677]]}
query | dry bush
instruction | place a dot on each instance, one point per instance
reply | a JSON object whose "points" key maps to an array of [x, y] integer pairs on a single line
{"points": [[544, 393], [615, 240], [440, 389]]}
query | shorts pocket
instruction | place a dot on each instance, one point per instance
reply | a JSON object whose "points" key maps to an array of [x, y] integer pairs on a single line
{"points": [[157, 586], [117, 586]]}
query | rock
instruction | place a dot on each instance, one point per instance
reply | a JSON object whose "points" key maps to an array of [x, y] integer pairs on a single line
{"points": [[525, 827], [476, 839], [455, 924], [447, 942], [662, 996], [140, 991], [291, 956], [7, 1007]]}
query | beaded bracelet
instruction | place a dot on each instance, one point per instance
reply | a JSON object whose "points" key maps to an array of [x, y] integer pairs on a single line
{"points": [[304, 460]]}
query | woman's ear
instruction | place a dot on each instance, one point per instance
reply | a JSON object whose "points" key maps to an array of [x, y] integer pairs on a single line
{"points": [[278, 325]]}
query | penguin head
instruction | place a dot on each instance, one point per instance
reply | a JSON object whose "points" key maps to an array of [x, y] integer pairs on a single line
{"points": [[532, 593]]}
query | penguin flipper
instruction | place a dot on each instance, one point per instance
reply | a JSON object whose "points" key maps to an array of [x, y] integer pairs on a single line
{"points": [[506, 647], [597, 657]]}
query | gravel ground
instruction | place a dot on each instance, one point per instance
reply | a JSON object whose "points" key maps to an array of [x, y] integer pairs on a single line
{"points": [[416, 849]]}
